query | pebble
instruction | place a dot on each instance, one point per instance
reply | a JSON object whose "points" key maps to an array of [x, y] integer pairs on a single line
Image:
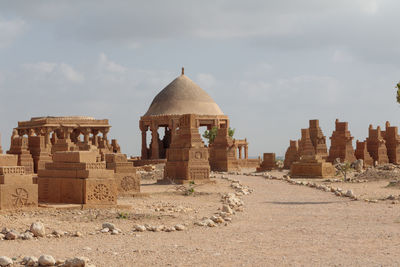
{"points": [[30, 260], [5, 261], [180, 227], [108, 225], [105, 230], [114, 232], [78, 234], [26, 236], [37, 229], [140, 228], [76, 262], [227, 209], [12, 235], [46, 260]]}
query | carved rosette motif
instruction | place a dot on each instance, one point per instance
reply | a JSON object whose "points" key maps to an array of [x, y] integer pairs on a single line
{"points": [[20, 197], [128, 183]]}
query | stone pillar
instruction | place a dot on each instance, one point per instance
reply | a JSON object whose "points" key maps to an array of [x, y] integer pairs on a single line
{"points": [[246, 152], [240, 152], [95, 142], [144, 143], [86, 133], [155, 151], [47, 140]]}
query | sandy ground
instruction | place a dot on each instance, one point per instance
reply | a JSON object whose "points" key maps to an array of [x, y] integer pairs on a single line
{"points": [[281, 225]]}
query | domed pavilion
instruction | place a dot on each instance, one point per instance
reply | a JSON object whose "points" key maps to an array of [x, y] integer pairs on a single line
{"points": [[182, 96]]}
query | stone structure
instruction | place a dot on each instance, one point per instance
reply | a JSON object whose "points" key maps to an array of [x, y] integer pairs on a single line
{"points": [[362, 153], [392, 139], [17, 190], [1, 149], [126, 178], [19, 147], [75, 133], [268, 163], [341, 144], [187, 156], [40, 153], [75, 177], [292, 154], [310, 165], [181, 96], [318, 139], [223, 152], [376, 145]]}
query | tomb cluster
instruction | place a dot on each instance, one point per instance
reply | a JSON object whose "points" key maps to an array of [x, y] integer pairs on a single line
{"points": [[308, 156], [71, 159], [64, 160]]}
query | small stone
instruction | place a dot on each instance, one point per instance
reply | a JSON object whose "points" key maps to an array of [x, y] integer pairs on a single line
{"points": [[114, 232], [46, 260], [140, 228], [37, 229], [5, 230], [349, 193], [5, 261], [2, 236], [108, 225], [171, 229], [76, 262], [105, 230], [227, 209], [78, 234], [12, 235], [58, 233], [180, 227], [30, 260], [26, 236]]}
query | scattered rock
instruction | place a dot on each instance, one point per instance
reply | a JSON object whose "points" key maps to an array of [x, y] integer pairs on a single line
{"points": [[46, 260], [180, 227], [105, 230], [26, 236], [108, 225], [76, 262], [30, 261], [37, 229], [12, 235], [140, 228], [5, 261]]}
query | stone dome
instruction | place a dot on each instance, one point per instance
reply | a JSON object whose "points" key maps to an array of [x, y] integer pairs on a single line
{"points": [[183, 96]]}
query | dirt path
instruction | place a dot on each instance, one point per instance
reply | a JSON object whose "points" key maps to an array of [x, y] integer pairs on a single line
{"points": [[282, 224]]}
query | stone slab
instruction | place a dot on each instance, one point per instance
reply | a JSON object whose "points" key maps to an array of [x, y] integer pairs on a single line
{"points": [[18, 196]]}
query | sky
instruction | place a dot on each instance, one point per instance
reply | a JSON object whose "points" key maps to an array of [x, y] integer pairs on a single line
{"points": [[271, 66]]}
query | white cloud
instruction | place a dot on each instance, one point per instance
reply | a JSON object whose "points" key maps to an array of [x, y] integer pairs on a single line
{"points": [[51, 70], [369, 6], [10, 30], [108, 65], [70, 73]]}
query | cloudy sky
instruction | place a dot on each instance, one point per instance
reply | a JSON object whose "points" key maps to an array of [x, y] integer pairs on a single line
{"points": [[270, 65]]}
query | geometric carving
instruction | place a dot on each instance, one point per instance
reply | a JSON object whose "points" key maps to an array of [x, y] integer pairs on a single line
{"points": [[128, 183], [20, 197], [100, 192]]}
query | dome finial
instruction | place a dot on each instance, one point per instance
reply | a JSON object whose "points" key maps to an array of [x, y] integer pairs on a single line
{"points": [[183, 71]]}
